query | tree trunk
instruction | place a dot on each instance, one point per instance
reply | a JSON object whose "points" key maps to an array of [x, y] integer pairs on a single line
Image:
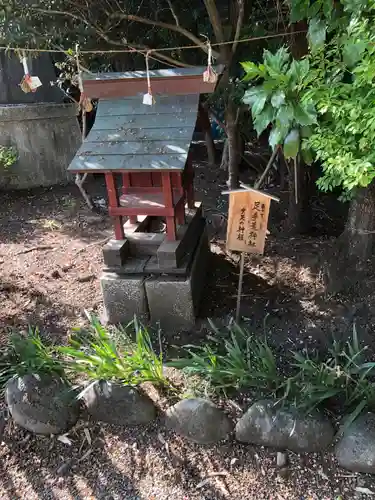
{"points": [[349, 262], [233, 146], [204, 121], [299, 209]]}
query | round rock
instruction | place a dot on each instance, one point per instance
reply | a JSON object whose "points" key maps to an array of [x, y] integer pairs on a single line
{"points": [[198, 420], [118, 404], [356, 448], [43, 404], [267, 424]]}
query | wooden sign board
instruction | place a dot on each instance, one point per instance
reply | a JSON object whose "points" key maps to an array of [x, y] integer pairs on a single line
{"points": [[247, 221]]}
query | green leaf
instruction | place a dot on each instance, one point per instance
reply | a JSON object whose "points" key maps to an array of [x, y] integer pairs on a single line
{"points": [[276, 62], [278, 99], [276, 136], [263, 119], [353, 51], [285, 116], [314, 9], [252, 71], [298, 10], [291, 144], [305, 132], [305, 114], [298, 70], [253, 94], [317, 33], [258, 105], [307, 156]]}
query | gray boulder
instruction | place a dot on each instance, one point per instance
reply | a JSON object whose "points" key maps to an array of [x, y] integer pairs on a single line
{"points": [[43, 404], [198, 420], [118, 404], [267, 423], [356, 448]]}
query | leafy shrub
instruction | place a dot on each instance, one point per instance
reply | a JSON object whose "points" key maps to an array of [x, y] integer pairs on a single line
{"points": [[8, 156], [28, 354], [101, 355], [239, 361]]}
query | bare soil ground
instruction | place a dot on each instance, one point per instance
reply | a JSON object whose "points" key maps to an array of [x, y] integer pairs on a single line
{"points": [[50, 260]]}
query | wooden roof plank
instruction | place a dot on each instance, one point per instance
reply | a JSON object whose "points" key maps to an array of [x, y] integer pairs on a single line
{"points": [[127, 107], [136, 163], [133, 148], [154, 73], [146, 121], [139, 134]]}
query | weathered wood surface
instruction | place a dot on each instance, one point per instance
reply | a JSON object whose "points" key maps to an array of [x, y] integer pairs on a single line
{"points": [[142, 121], [247, 221], [140, 134], [124, 163], [154, 73], [131, 136], [133, 148], [134, 106]]}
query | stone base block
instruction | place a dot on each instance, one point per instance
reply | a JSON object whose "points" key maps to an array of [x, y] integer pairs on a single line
{"points": [[174, 301], [123, 297]]}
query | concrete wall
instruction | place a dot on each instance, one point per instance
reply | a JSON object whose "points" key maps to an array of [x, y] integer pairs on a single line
{"points": [[46, 136]]}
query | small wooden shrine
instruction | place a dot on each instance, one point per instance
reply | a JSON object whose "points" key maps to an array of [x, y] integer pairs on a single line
{"points": [[143, 151]]}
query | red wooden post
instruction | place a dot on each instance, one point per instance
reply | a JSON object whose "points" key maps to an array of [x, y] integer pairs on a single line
{"points": [[168, 200], [113, 203], [180, 210], [126, 184], [189, 186]]}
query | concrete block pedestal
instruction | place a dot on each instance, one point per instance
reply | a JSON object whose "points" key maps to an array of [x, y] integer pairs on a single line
{"points": [[174, 301], [171, 298], [123, 297]]}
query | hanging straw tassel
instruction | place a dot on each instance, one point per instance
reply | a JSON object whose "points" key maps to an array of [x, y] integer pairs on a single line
{"points": [[148, 98], [209, 76], [28, 83]]}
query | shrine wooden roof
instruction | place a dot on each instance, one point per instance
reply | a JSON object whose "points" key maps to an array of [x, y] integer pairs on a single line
{"points": [[131, 136], [169, 81]]}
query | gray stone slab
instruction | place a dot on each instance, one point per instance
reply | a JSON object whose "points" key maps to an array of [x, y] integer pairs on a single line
{"points": [[123, 297], [115, 252], [173, 301], [171, 253]]}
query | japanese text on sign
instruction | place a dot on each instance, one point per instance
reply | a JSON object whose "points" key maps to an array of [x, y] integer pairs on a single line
{"points": [[247, 221]]}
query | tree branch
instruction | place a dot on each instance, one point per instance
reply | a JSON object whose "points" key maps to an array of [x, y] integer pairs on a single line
{"points": [[106, 38], [215, 20], [160, 24], [173, 12], [241, 12]]}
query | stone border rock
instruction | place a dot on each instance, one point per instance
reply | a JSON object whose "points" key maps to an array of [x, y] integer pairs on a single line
{"points": [[45, 404]]}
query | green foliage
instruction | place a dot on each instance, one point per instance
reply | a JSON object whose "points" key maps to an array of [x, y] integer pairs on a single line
{"points": [[28, 354], [342, 377], [341, 85], [8, 157], [101, 355], [279, 98], [238, 361]]}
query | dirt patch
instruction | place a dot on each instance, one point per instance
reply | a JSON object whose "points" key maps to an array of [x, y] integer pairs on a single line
{"points": [[50, 261]]}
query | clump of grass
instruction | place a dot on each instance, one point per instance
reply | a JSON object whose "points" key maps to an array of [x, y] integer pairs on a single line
{"points": [[239, 361], [26, 354], [99, 354], [342, 378]]}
